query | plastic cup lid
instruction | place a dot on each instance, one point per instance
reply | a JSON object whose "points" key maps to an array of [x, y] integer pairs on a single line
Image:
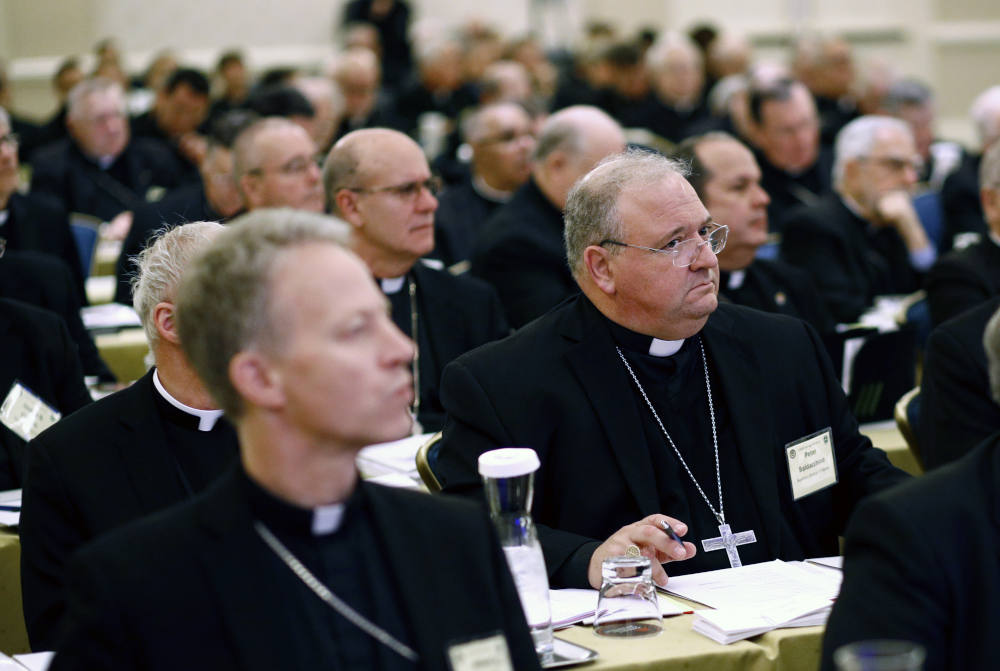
{"points": [[508, 462]]}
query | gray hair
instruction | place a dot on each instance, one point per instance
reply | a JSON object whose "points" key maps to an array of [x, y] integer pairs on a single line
{"points": [[567, 130], [591, 211], [989, 168], [224, 303], [668, 46], [160, 266], [4, 117], [474, 124], [906, 93], [991, 343], [855, 140], [985, 113], [80, 93]]}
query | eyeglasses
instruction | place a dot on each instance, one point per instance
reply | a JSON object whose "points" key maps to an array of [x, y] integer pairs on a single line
{"points": [[295, 167], [407, 191], [10, 140], [896, 164], [684, 252], [506, 137]]}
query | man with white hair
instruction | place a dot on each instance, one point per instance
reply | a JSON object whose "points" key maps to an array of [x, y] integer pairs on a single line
{"points": [[290, 561], [648, 402], [677, 77], [100, 169], [960, 202], [160, 441], [359, 76], [502, 138], [866, 239], [520, 251]]}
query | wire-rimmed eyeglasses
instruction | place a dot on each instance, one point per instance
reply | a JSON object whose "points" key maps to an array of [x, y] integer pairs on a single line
{"points": [[684, 252]]}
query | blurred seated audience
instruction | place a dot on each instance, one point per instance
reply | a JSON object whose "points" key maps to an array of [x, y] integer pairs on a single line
{"points": [[177, 118]]}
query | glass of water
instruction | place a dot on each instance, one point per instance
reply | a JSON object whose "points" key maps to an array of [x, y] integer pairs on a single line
{"points": [[627, 605]]}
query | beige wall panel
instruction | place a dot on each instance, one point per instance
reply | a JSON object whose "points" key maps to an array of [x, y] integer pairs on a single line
{"points": [[45, 27], [966, 10], [962, 72]]}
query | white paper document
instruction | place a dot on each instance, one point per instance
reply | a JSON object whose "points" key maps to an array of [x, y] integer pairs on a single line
{"points": [[10, 508], [109, 315], [577, 606], [750, 600], [36, 661], [398, 456]]}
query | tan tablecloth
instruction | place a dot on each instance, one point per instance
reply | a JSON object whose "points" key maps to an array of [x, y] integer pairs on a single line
{"points": [[13, 636], [124, 353], [886, 436]]}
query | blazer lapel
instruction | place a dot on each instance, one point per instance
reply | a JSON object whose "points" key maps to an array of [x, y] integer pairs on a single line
{"points": [[145, 453], [610, 392], [238, 565], [736, 367]]}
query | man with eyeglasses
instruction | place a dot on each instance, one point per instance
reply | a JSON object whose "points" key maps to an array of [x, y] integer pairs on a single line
{"points": [[502, 139], [866, 238], [378, 181], [275, 165], [648, 402]]}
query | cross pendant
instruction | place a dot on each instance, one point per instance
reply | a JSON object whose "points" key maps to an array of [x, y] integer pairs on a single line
{"points": [[729, 541]]}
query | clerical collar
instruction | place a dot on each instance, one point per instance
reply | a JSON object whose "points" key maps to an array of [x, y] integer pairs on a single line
{"points": [[480, 186], [104, 162], [736, 278], [4, 214], [392, 285], [206, 418], [637, 342], [283, 517]]}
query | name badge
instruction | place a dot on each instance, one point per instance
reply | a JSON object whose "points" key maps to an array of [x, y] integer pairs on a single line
{"points": [[812, 465], [483, 654], [26, 414]]}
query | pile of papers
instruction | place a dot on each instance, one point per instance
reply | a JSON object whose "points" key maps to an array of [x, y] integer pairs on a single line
{"points": [[10, 508], [577, 606], [393, 463], [754, 599]]}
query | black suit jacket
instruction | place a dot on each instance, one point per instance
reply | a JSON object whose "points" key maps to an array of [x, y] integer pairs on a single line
{"points": [[961, 209], [455, 315], [962, 279], [557, 386], [39, 353], [921, 564], [196, 588], [957, 411], [788, 191], [45, 281], [521, 253], [92, 472], [62, 171], [38, 224], [850, 261], [461, 215], [775, 286]]}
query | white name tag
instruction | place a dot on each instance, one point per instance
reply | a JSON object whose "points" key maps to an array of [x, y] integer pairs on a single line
{"points": [[483, 654], [812, 465], [25, 414]]}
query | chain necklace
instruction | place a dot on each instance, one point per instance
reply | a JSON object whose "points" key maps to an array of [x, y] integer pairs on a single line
{"points": [[331, 599], [720, 515], [415, 335]]}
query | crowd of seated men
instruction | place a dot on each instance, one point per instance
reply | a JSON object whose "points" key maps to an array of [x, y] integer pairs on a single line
{"points": [[456, 162]]}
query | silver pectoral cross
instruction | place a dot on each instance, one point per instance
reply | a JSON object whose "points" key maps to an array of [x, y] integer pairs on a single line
{"points": [[729, 541]]}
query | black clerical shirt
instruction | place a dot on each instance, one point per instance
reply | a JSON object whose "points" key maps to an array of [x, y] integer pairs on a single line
{"points": [[675, 386], [348, 561], [199, 456]]}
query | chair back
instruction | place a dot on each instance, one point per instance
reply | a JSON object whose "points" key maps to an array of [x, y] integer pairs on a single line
{"points": [[426, 456], [906, 412], [85, 234]]}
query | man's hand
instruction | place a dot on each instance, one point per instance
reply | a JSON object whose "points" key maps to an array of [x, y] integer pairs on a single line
{"points": [[118, 227], [653, 542], [895, 209]]}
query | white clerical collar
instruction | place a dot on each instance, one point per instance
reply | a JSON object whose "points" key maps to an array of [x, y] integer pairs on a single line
{"points": [[488, 192], [206, 418], [736, 279], [3, 216], [104, 162], [663, 348], [327, 519], [391, 285]]}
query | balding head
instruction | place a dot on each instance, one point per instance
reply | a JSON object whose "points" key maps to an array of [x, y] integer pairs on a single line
{"points": [[502, 140], [378, 180], [571, 142], [274, 164], [358, 75]]}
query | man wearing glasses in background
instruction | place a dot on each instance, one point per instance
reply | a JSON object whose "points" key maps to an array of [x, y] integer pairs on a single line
{"points": [[648, 402], [275, 165], [378, 181], [866, 238]]}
